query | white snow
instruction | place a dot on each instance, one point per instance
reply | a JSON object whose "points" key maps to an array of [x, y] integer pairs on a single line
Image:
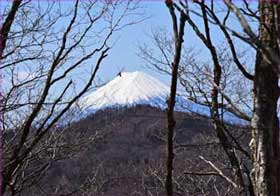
{"points": [[130, 88]]}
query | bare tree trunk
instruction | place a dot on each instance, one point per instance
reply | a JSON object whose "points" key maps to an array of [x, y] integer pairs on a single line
{"points": [[4, 31], [178, 37], [5, 28], [265, 123]]}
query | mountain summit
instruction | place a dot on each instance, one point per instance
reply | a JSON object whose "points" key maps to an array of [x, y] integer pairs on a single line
{"points": [[127, 89]]}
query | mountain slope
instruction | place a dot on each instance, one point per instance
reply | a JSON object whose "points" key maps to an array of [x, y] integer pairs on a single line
{"points": [[129, 89], [129, 146]]}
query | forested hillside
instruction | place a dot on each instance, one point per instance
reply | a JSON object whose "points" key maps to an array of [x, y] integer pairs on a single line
{"points": [[128, 155]]}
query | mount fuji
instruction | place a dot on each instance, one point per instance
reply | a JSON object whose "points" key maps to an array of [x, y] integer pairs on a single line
{"points": [[129, 89], [138, 88]]}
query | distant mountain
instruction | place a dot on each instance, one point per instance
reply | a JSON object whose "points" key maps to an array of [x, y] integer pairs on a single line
{"points": [[128, 89], [137, 88]]}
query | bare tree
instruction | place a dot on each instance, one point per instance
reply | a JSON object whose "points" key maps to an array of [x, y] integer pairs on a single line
{"points": [[265, 123], [50, 56], [178, 31], [198, 77]]}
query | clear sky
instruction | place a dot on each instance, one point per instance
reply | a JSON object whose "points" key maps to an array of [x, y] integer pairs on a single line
{"points": [[124, 54]]}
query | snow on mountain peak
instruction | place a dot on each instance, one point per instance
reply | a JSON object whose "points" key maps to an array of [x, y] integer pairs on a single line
{"points": [[129, 88], [132, 88]]}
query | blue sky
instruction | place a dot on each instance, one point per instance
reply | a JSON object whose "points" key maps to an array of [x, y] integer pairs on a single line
{"points": [[124, 54]]}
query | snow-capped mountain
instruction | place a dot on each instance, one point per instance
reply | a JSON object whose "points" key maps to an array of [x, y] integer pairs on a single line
{"points": [[127, 89], [133, 88]]}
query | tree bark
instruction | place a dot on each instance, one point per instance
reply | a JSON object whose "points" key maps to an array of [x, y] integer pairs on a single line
{"points": [[265, 123]]}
